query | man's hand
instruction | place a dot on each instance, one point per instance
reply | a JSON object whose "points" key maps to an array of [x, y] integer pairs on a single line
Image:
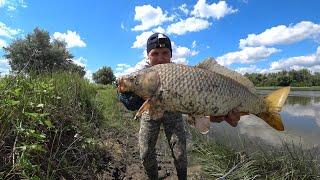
{"points": [[232, 117]]}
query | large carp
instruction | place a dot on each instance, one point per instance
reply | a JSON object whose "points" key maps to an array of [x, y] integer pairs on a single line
{"points": [[207, 89]]}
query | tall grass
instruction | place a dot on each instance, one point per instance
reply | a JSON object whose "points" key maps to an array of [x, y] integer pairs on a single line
{"points": [[61, 126], [115, 115], [222, 162], [49, 128]]}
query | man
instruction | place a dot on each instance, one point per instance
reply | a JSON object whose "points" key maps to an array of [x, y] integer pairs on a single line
{"points": [[159, 51]]}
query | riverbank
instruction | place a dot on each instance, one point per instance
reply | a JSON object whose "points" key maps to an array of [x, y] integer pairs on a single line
{"points": [[313, 88], [63, 127]]}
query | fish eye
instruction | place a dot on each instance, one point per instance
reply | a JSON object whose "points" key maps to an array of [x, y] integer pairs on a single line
{"points": [[136, 82], [132, 79]]}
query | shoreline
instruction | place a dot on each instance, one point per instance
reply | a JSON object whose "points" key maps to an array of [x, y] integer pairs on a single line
{"points": [[312, 88]]}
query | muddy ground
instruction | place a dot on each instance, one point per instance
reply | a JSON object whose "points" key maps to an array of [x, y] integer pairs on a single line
{"points": [[125, 163]]}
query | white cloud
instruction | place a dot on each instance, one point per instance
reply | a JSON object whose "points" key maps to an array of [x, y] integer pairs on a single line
{"points": [[88, 75], [214, 10], [283, 35], [180, 61], [182, 52], [149, 17], [191, 24], [159, 30], [2, 3], [315, 68], [179, 56], [184, 9], [71, 38], [81, 61], [4, 66], [8, 32], [12, 5], [122, 26], [246, 55], [11, 8], [2, 43], [251, 69], [194, 44], [298, 62], [141, 40], [123, 69]]}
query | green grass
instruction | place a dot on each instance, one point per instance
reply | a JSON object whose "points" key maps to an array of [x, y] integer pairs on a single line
{"points": [[115, 115], [57, 126], [286, 162], [51, 128]]}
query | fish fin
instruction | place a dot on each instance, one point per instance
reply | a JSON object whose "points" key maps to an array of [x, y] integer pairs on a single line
{"points": [[202, 124], [146, 105], [219, 119], [232, 123], [212, 65], [274, 102], [273, 119]]}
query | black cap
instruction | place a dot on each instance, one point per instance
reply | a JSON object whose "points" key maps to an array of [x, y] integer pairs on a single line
{"points": [[158, 40]]}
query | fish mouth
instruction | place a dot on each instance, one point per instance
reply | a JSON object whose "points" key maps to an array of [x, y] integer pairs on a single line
{"points": [[120, 85]]}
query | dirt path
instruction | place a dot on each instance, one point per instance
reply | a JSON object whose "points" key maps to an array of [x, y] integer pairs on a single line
{"points": [[166, 168], [125, 162]]}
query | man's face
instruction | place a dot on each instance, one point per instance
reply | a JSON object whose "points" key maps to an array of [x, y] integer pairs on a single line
{"points": [[159, 56]]}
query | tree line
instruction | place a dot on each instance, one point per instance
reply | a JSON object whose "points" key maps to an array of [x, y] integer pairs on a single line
{"points": [[37, 54], [295, 78]]}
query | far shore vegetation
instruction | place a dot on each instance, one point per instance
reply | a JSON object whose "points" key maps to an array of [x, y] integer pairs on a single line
{"points": [[294, 78]]}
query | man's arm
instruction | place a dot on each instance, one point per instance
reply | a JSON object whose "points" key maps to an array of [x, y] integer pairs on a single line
{"points": [[130, 100]]}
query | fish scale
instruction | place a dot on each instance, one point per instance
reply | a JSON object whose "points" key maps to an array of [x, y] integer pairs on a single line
{"points": [[208, 89], [189, 89]]}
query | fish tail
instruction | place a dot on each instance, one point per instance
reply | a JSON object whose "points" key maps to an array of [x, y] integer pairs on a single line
{"points": [[274, 102]]}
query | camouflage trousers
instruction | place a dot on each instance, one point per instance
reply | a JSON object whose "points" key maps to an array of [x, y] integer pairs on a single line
{"points": [[175, 133]]}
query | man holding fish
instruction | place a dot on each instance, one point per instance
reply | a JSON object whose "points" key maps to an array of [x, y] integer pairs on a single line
{"points": [[159, 51]]}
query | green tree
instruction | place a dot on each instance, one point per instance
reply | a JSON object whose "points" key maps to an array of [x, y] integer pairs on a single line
{"points": [[104, 76], [37, 54], [316, 79], [283, 78]]}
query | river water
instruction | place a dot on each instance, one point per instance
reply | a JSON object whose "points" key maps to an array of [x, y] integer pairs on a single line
{"points": [[300, 116]]}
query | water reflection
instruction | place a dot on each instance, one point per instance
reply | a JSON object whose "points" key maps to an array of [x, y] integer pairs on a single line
{"points": [[301, 118]]}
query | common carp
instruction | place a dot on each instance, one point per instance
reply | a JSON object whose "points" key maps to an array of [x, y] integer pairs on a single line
{"points": [[206, 90]]}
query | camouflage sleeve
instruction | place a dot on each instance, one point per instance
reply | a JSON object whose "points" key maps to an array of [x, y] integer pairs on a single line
{"points": [[130, 100]]}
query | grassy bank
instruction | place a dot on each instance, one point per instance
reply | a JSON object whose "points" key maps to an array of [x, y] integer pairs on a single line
{"points": [[53, 127], [286, 162], [313, 88], [61, 126]]}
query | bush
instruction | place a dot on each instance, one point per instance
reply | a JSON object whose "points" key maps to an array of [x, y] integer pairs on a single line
{"points": [[49, 128]]}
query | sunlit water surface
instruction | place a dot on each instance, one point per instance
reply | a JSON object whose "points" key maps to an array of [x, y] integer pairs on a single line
{"points": [[300, 116]]}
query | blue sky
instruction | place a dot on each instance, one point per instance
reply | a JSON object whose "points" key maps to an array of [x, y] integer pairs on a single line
{"points": [[244, 35]]}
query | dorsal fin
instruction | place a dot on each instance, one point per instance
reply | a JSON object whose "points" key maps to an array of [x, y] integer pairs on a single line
{"points": [[212, 65]]}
